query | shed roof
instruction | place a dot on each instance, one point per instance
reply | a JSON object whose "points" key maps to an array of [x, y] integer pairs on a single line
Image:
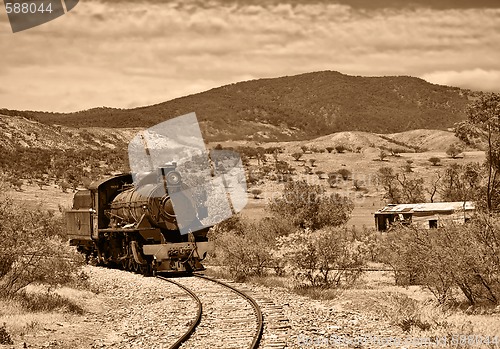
{"points": [[428, 207]]}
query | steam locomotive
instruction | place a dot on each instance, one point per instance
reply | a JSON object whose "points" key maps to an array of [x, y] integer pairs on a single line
{"points": [[133, 225]]}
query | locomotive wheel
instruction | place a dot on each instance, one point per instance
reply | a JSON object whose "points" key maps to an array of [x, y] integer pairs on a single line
{"points": [[124, 263], [136, 267], [130, 264]]}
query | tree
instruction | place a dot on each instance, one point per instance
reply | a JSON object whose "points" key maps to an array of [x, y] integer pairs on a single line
{"points": [[320, 173], [17, 184], [64, 186], [453, 151], [308, 206], [408, 168], [412, 189], [345, 173], [467, 132], [304, 148], [297, 156], [333, 179], [256, 193], [387, 178], [400, 187], [434, 161], [484, 114], [312, 161], [329, 149], [434, 185], [461, 183], [382, 155], [358, 184], [340, 148]]}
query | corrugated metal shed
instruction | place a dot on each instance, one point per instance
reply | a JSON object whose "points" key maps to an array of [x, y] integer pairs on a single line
{"points": [[426, 215], [428, 207]]}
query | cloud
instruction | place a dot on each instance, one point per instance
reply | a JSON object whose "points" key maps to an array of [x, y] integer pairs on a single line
{"points": [[475, 79], [127, 53]]}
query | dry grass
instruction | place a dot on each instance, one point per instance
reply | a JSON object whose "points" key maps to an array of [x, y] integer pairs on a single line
{"points": [[363, 168], [36, 308], [412, 309]]}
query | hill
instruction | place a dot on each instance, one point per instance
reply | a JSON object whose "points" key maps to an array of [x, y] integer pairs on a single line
{"points": [[420, 140], [19, 132], [292, 108]]}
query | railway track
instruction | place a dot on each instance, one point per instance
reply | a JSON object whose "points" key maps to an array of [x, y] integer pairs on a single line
{"points": [[226, 317]]}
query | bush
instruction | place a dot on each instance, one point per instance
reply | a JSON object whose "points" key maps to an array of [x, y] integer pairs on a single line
{"points": [[466, 258], [307, 206], [453, 151], [46, 302], [345, 173], [358, 185], [5, 336], [340, 148], [33, 248], [297, 156], [405, 312], [256, 193], [329, 257], [434, 161], [246, 248]]}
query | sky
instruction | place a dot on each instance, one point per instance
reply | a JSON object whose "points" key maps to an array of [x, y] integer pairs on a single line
{"points": [[133, 53]]}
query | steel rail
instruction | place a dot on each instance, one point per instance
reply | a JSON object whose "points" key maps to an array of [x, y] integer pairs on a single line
{"points": [[258, 312], [193, 326]]}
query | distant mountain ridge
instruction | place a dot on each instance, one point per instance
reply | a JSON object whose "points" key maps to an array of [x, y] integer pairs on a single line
{"points": [[292, 108]]}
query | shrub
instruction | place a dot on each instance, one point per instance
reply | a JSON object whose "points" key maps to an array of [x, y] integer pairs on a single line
{"points": [[256, 193], [64, 186], [312, 162], [434, 160], [328, 257], [297, 156], [408, 166], [320, 173], [5, 336], [358, 184], [284, 167], [406, 313], [46, 302], [340, 148], [462, 257], [345, 173], [246, 248], [33, 248], [453, 151], [382, 155], [307, 206]]}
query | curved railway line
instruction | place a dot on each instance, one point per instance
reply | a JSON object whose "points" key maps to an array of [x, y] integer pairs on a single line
{"points": [[226, 317]]}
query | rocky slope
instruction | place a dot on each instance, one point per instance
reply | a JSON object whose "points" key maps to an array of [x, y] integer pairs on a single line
{"points": [[25, 133]]}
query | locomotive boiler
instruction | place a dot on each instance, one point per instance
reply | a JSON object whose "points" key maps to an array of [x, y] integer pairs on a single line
{"points": [[136, 225]]}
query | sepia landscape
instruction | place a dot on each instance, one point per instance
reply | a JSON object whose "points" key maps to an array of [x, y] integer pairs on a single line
{"points": [[369, 136]]}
